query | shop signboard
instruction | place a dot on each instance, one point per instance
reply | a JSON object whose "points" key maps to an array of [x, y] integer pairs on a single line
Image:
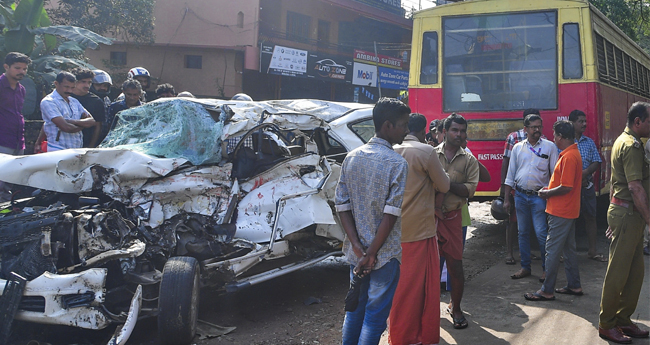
{"points": [[392, 6], [284, 61], [381, 60], [329, 68], [393, 79], [293, 62], [364, 74]]}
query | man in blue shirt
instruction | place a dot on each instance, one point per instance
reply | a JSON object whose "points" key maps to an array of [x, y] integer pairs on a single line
{"points": [[368, 200], [132, 91], [590, 164]]}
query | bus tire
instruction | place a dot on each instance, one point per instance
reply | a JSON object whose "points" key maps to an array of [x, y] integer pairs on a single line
{"points": [[178, 301]]}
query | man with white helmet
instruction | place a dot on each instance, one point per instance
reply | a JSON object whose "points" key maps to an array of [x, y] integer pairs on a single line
{"points": [[142, 75], [144, 78], [101, 87]]}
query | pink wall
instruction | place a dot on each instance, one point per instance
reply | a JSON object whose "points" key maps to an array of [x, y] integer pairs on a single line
{"points": [[206, 22]]}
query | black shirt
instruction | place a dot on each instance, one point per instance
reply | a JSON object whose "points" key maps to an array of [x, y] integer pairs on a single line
{"points": [[95, 106]]}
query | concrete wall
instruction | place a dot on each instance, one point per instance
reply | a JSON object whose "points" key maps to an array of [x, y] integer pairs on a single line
{"points": [[220, 76], [206, 22], [210, 28]]}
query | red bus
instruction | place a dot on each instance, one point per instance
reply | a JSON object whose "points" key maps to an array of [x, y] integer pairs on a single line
{"points": [[489, 60]]}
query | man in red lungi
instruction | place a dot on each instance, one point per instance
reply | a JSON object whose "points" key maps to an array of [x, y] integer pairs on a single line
{"points": [[463, 171], [415, 316]]}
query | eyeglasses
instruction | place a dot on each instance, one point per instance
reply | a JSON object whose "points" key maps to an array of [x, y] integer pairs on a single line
{"points": [[536, 128]]}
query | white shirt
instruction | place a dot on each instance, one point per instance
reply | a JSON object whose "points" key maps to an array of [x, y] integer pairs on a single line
{"points": [[531, 166], [53, 106]]}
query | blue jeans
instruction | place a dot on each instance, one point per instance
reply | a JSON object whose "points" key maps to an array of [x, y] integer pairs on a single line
{"points": [[365, 325], [531, 212]]}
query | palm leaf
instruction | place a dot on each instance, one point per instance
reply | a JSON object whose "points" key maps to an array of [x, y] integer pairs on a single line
{"points": [[83, 37], [49, 40], [56, 63], [28, 12], [8, 15], [70, 46], [19, 40]]}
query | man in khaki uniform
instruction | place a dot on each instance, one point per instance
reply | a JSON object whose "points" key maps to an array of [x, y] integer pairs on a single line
{"points": [[627, 217], [463, 171]]}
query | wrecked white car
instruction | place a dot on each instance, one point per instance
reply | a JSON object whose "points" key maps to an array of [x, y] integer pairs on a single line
{"points": [[182, 194]]}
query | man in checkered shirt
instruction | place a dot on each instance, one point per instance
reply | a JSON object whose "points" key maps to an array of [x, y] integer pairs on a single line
{"points": [[590, 164], [63, 116], [511, 231]]}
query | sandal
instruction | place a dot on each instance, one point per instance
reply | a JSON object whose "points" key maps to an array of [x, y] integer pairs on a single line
{"points": [[522, 273], [460, 323], [510, 261], [565, 290], [536, 297], [599, 258]]}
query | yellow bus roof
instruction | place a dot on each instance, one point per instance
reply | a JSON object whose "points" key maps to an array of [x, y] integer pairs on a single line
{"points": [[501, 6]]}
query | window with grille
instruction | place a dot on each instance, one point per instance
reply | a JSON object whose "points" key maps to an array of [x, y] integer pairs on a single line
{"points": [[617, 68], [298, 26], [118, 58], [194, 61]]}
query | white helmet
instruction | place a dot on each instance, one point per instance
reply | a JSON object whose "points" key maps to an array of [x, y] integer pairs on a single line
{"points": [[138, 71], [241, 97], [102, 77]]}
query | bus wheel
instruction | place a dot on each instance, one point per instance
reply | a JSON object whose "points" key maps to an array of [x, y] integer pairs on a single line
{"points": [[178, 301]]}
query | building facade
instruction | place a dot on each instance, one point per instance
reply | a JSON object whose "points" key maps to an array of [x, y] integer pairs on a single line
{"points": [[274, 49]]}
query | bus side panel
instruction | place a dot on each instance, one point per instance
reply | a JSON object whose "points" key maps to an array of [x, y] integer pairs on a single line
{"points": [[582, 96], [612, 116], [426, 101]]}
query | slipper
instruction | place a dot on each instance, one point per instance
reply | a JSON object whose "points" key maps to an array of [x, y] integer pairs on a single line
{"points": [[599, 258], [535, 297], [534, 257], [510, 261], [542, 278], [520, 274], [565, 290], [460, 323]]}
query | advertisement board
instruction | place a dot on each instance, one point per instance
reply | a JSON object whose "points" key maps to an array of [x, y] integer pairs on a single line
{"points": [[329, 67], [381, 60], [284, 61], [299, 63], [393, 79], [392, 6], [364, 74]]}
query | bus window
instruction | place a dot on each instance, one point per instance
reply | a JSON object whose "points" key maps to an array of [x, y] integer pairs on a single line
{"points": [[429, 67], [500, 62], [571, 57]]}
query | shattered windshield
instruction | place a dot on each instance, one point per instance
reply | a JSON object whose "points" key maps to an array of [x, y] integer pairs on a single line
{"points": [[171, 129]]}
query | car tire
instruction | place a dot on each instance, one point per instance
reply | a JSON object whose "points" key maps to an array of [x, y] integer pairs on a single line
{"points": [[178, 301]]}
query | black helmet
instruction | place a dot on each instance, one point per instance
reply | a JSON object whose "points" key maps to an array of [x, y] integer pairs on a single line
{"points": [[497, 209]]}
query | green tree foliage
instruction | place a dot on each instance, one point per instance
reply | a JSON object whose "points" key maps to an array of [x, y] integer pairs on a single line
{"points": [[126, 20], [26, 28], [622, 13]]}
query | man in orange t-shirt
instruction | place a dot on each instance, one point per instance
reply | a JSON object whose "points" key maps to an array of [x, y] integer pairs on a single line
{"points": [[563, 208]]}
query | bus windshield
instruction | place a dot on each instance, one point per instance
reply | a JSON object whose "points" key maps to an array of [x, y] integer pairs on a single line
{"points": [[500, 62]]}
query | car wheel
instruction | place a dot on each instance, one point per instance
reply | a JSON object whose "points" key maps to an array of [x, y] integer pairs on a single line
{"points": [[178, 301]]}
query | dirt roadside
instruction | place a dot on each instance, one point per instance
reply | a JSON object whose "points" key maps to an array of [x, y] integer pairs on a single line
{"points": [[279, 312], [305, 307]]}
